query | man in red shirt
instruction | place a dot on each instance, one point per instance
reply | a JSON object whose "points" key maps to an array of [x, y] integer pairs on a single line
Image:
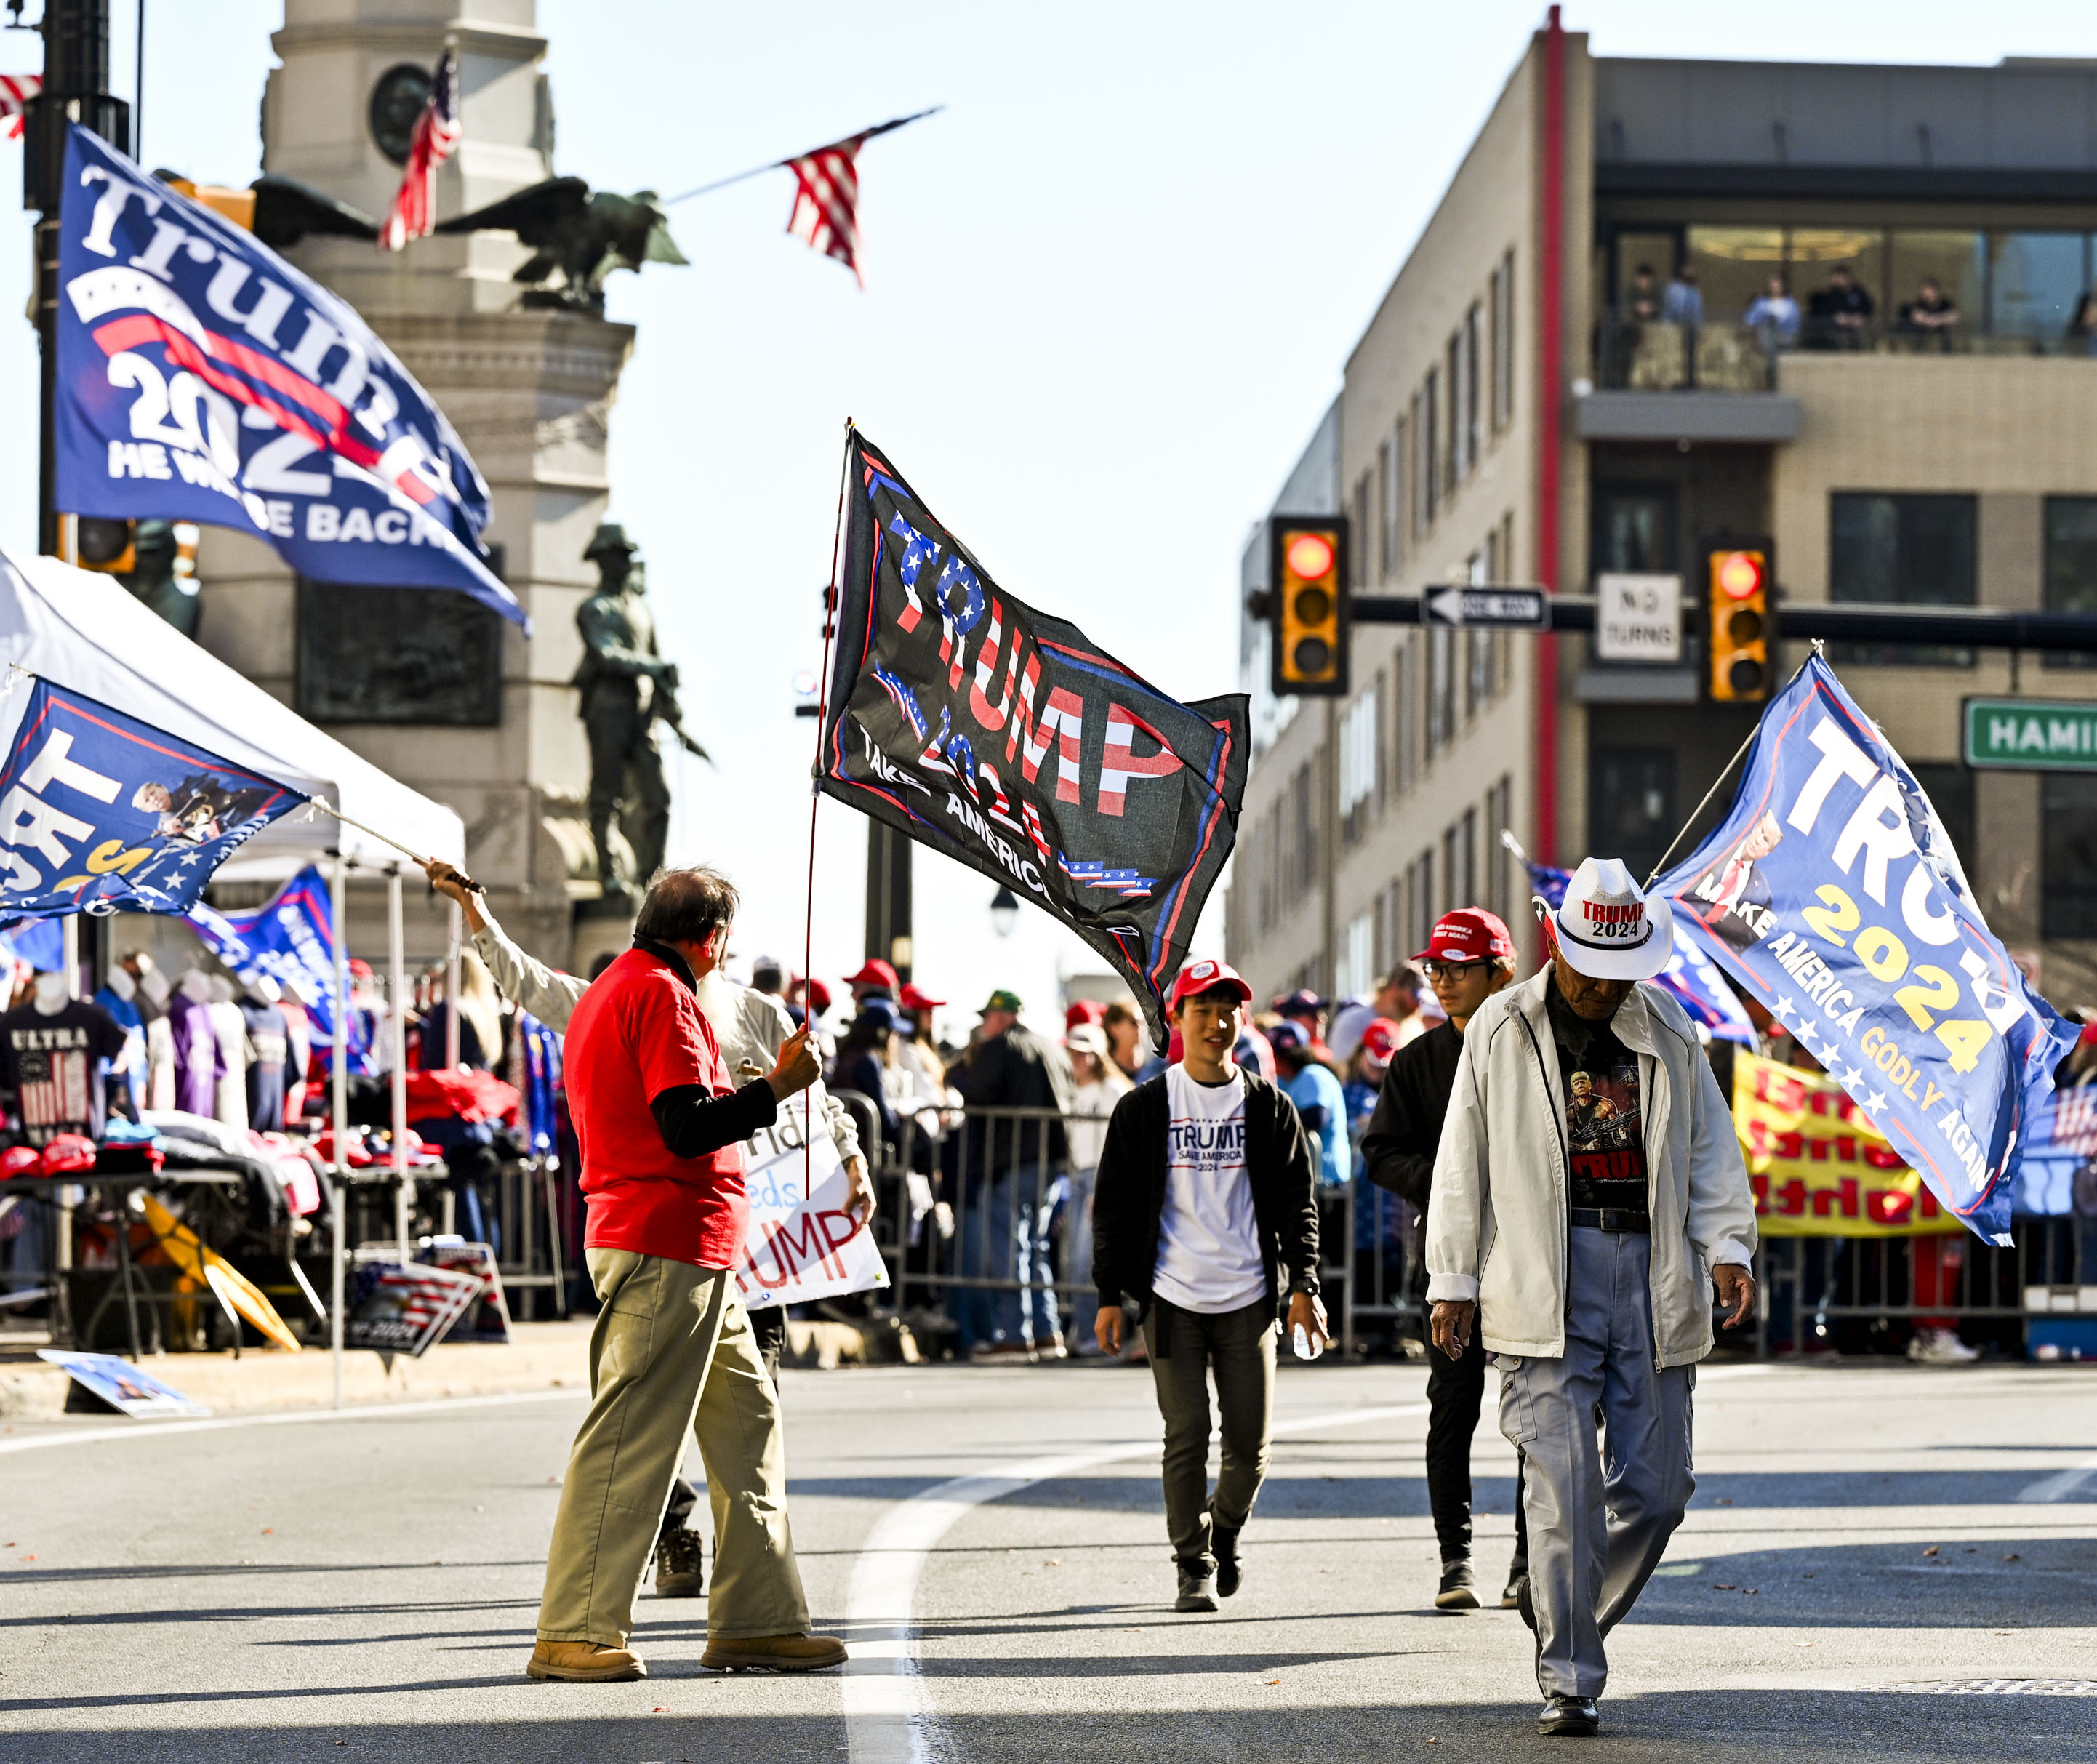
{"points": [[660, 1128]]}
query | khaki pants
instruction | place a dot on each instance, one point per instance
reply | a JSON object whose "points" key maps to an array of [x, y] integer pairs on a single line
{"points": [[1240, 1344], [671, 1351]]}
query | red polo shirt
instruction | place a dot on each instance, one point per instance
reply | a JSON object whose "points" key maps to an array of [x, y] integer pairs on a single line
{"points": [[637, 1032]]}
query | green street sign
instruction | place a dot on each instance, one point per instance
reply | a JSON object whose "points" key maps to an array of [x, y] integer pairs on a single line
{"points": [[2031, 735]]}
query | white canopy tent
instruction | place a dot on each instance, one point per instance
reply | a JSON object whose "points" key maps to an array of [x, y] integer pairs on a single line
{"points": [[84, 631]]}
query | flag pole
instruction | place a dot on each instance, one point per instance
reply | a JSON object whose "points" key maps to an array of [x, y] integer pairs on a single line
{"points": [[773, 166], [815, 802]]}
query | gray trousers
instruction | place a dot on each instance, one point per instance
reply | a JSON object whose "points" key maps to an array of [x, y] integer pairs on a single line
{"points": [[1599, 1512], [1183, 1346]]}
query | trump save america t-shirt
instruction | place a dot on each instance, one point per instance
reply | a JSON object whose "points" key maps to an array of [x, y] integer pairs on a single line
{"points": [[1208, 1237]]}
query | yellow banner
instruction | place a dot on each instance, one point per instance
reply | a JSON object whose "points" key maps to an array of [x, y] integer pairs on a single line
{"points": [[1819, 1167]]}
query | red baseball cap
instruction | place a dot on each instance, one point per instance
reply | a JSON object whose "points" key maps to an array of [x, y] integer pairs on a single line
{"points": [[911, 998], [819, 996], [1200, 976], [1380, 1041], [1084, 1010], [1469, 933], [876, 973]]}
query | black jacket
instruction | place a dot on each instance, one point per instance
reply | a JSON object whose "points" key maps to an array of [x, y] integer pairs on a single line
{"points": [[1397, 1149], [1128, 1196]]}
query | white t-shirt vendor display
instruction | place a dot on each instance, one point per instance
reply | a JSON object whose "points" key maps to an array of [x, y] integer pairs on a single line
{"points": [[1208, 1240]]}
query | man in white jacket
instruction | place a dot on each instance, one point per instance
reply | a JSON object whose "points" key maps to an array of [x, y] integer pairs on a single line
{"points": [[1589, 1190]]}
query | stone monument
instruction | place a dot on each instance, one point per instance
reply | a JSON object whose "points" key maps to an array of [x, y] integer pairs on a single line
{"points": [[439, 691]]}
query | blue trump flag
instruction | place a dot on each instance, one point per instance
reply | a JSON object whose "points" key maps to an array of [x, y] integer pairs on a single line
{"points": [[202, 377], [1697, 985], [291, 940], [102, 813], [1831, 892]]}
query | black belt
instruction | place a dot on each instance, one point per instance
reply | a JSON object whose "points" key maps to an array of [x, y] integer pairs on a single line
{"points": [[1610, 1218]]}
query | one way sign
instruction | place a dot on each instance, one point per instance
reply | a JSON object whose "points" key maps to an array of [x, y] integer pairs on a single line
{"points": [[1491, 609]]}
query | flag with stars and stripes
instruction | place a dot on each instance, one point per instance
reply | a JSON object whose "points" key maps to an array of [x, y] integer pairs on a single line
{"points": [[437, 130], [16, 89], [825, 216]]}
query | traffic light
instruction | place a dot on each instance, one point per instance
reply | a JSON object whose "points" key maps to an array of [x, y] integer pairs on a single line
{"points": [[1737, 626], [1307, 608], [105, 545]]}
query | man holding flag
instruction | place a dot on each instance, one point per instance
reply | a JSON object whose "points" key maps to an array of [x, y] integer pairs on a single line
{"points": [[1588, 1191]]}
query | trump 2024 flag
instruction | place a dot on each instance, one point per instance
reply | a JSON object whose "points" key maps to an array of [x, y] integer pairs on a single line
{"points": [[1010, 741], [102, 813], [202, 377], [1831, 892]]}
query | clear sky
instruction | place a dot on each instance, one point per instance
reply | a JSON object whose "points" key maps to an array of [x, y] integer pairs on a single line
{"points": [[1109, 294]]}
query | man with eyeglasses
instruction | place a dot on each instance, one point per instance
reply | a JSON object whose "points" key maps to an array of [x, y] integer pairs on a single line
{"points": [[1469, 957]]}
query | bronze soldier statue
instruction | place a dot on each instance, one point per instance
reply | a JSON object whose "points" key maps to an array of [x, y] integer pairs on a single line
{"points": [[627, 688]]}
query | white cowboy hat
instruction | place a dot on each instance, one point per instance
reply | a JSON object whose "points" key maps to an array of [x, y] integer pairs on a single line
{"points": [[1607, 929]]}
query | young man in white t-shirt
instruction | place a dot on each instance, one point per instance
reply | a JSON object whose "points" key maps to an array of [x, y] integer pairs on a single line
{"points": [[1205, 1233]]}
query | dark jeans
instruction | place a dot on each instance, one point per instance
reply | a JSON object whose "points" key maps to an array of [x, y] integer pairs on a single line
{"points": [[1456, 1389], [1239, 1346], [769, 1327]]}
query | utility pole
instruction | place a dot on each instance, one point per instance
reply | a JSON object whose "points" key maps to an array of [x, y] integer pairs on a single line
{"points": [[76, 89]]}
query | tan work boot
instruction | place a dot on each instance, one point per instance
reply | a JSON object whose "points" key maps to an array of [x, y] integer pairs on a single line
{"points": [[584, 1662], [774, 1653]]}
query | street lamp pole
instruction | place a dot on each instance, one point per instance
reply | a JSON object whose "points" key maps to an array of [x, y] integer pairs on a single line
{"points": [[76, 89]]}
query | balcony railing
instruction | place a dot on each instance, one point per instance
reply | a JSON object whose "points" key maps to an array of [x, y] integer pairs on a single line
{"points": [[1657, 356]]}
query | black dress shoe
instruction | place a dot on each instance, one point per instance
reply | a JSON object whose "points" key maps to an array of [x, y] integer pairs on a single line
{"points": [[1569, 1717], [1455, 1592], [1230, 1572], [1197, 1587]]}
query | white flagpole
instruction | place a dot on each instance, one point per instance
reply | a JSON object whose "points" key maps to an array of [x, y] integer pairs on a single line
{"points": [[339, 1062], [398, 982]]}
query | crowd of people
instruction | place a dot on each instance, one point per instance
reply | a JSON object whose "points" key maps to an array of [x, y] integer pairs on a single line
{"points": [[1564, 1239]]}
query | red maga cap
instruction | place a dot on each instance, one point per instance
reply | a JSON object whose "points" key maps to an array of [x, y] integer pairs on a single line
{"points": [[1200, 976], [912, 998], [876, 973], [1469, 933], [1379, 1040]]}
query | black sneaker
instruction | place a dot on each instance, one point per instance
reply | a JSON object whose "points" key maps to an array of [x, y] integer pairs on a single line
{"points": [[1456, 1593], [1569, 1717], [1230, 1572], [1511, 1594], [1524, 1602], [1197, 1588], [680, 1565]]}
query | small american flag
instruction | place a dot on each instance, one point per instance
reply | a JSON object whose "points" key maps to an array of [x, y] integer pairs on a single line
{"points": [[16, 89], [414, 210], [825, 214]]}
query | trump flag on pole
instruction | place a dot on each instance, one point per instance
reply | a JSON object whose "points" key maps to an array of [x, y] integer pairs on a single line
{"points": [[1832, 893], [1011, 742], [202, 377], [291, 940], [101, 813]]}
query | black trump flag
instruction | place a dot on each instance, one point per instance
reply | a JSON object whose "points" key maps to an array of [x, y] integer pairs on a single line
{"points": [[1011, 742]]}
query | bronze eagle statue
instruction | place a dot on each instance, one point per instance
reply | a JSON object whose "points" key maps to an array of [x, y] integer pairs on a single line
{"points": [[580, 234]]}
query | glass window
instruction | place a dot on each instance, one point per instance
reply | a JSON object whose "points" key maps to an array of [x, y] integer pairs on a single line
{"points": [[1955, 262], [1835, 314], [2034, 283], [1633, 527], [1631, 804], [2071, 566], [1732, 264], [2067, 832], [1901, 551]]}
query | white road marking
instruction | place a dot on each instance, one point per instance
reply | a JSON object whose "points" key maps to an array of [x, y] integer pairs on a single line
{"points": [[149, 1430], [2062, 1483], [887, 1721]]}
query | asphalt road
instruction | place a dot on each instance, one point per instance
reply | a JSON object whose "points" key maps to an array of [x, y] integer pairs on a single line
{"points": [[991, 1544]]}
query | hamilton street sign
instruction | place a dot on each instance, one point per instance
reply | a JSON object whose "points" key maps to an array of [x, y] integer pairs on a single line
{"points": [[1490, 609], [2031, 735]]}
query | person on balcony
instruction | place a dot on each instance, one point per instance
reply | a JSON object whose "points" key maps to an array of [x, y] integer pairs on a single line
{"points": [[1682, 304], [1642, 298], [1774, 311], [1837, 314], [1932, 312]]}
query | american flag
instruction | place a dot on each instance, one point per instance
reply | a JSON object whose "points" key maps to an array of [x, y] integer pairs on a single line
{"points": [[825, 214], [414, 210], [16, 89]]}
